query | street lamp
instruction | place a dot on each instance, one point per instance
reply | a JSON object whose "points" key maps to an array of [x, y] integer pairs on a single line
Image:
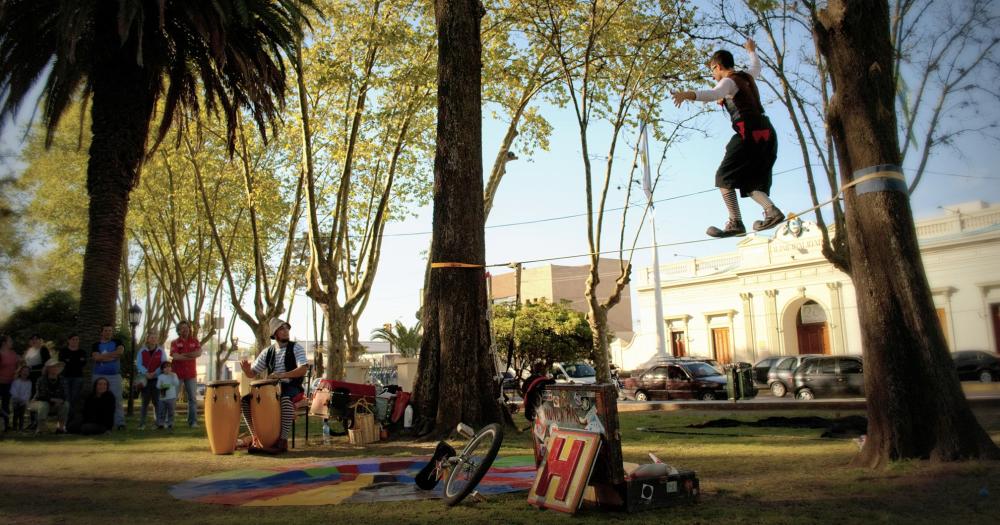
{"points": [[134, 316]]}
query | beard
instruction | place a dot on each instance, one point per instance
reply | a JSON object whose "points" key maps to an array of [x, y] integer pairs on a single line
{"points": [[281, 340]]}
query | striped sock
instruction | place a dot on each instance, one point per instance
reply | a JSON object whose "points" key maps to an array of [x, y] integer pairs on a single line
{"points": [[761, 198], [287, 416], [729, 197]]}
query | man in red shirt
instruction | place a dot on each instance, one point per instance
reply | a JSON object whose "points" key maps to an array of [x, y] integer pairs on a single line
{"points": [[184, 352]]}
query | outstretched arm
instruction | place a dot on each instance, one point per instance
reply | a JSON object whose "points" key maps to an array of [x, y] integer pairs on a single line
{"points": [[755, 66]]}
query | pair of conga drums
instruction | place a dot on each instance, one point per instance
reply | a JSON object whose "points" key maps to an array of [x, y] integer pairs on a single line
{"points": [[222, 413]]}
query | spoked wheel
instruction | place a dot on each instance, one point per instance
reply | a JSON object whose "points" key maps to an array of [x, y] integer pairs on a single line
{"points": [[469, 467]]}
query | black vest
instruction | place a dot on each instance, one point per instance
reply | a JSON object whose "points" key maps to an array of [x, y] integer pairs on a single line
{"points": [[290, 363], [745, 105]]}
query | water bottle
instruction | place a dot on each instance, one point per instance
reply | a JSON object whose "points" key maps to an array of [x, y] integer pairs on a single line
{"points": [[326, 432]]}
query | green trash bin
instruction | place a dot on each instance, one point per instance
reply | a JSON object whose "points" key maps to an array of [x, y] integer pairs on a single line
{"points": [[747, 388], [739, 381], [732, 382]]}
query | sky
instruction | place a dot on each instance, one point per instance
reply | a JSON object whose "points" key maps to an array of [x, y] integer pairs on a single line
{"points": [[550, 185]]}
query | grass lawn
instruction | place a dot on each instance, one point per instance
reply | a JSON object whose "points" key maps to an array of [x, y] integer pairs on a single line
{"points": [[748, 475]]}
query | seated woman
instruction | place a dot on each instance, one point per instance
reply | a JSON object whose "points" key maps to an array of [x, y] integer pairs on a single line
{"points": [[50, 396], [98, 410]]}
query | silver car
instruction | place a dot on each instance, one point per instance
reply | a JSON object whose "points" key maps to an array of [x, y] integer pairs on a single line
{"points": [[781, 376]]}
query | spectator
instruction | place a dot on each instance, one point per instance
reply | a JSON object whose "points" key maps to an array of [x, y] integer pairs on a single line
{"points": [[20, 394], [168, 383], [8, 370], [147, 367], [98, 410], [106, 355], [36, 356], [74, 359], [184, 352], [50, 397]]}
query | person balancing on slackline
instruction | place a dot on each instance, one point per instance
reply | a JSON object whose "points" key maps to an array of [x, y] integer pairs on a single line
{"points": [[751, 152]]}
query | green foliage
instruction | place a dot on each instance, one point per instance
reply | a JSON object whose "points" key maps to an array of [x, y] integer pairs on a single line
{"points": [[403, 339], [52, 316], [545, 332]]}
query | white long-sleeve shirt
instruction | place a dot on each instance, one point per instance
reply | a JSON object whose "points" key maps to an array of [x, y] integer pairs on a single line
{"points": [[726, 88]]}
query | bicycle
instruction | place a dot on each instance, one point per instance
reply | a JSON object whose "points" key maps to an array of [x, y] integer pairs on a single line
{"points": [[463, 471]]}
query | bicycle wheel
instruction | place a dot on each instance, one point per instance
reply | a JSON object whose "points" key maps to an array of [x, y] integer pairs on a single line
{"points": [[471, 465]]}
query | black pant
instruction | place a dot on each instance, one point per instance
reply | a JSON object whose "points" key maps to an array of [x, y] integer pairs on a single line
{"points": [[5, 404]]}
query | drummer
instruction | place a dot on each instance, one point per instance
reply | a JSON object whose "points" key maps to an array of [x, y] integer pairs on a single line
{"points": [[284, 360]]}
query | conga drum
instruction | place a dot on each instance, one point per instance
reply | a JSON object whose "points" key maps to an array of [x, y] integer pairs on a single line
{"points": [[265, 410], [222, 415]]}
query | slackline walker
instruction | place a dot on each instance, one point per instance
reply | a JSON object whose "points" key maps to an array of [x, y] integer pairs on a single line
{"points": [[751, 151]]}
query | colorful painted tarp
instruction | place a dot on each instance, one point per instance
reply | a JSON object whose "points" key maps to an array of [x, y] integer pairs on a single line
{"points": [[330, 482]]}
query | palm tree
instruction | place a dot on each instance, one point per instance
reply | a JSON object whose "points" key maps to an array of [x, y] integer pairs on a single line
{"points": [[406, 340], [125, 56]]}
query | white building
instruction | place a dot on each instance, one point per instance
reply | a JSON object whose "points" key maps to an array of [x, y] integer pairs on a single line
{"points": [[777, 294]]}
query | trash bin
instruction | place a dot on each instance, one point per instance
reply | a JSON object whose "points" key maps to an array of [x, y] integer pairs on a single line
{"points": [[747, 388], [739, 381]]}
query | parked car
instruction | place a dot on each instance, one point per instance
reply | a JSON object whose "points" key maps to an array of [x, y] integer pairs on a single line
{"points": [[830, 376], [685, 359], [762, 367], [581, 373], [976, 365], [781, 376], [682, 379]]}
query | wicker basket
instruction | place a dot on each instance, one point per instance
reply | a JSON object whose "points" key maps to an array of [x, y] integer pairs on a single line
{"points": [[365, 429]]}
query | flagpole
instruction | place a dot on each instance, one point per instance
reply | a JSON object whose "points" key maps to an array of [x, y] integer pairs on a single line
{"points": [[661, 347]]}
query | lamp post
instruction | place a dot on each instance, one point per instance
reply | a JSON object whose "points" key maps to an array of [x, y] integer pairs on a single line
{"points": [[134, 316]]}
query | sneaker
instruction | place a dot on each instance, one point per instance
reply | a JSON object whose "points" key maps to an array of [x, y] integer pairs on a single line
{"points": [[733, 228], [772, 219], [159, 427], [142, 427], [193, 425]]}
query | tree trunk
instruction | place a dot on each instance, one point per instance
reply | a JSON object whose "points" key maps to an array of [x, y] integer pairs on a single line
{"points": [[120, 115], [916, 408], [336, 334], [455, 382]]}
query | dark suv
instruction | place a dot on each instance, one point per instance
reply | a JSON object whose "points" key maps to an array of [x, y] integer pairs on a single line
{"points": [[780, 378], [681, 379], [976, 365], [830, 376]]}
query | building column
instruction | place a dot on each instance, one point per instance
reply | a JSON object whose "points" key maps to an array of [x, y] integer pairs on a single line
{"points": [[836, 320], [774, 342], [946, 293], [748, 332]]}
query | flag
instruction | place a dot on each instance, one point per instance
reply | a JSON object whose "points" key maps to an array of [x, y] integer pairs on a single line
{"points": [[647, 183]]}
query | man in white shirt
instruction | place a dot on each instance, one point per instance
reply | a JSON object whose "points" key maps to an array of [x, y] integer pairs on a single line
{"points": [[751, 151]]}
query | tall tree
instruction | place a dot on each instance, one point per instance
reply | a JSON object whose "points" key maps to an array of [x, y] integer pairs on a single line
{"points": [[271, 235], [364, 106], [612, 58], [916, 408], [125, 56], [455, 378]]}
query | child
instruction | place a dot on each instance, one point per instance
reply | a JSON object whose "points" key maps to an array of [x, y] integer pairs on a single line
{"points": [[751, 152], [167, 383], [20, 394]]}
